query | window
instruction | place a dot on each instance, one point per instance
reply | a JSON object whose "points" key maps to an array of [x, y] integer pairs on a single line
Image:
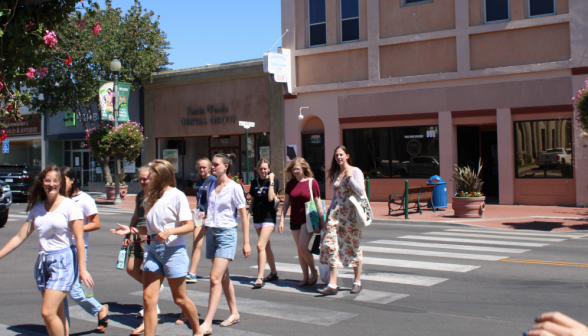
{"points": [[349, 20], [496, 11], [415, 2], [540, 8], [397, 152], [533, 160], [317, 20]]}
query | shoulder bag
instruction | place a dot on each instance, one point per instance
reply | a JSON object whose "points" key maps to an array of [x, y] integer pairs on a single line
{"points": [[363, 210], [313, 222]]}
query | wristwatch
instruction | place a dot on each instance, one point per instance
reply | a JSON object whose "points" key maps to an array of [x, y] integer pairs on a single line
{"points": [[271, 184]]}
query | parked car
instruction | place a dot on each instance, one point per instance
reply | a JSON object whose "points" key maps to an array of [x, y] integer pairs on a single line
{"points": [[555, 156], [18, 177], [5, 202], [417, 166]]}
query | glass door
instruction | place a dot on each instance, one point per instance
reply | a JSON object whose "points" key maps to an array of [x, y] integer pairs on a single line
{"points": [[313, 151], [80, 162]]}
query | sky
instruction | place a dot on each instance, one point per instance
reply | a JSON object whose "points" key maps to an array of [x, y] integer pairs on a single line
{"points": [[204, 32]]}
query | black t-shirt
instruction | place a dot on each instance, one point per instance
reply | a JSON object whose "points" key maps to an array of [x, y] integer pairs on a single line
{"points": [[263, 210]]}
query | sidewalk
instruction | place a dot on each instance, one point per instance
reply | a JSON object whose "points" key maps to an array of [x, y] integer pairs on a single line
{"points": [[522, 217]]}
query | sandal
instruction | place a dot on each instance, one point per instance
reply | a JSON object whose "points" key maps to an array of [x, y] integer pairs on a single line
{"points": [[271, 277], [209, 332], [313, 279], [134, 332], [302, 283], [182, 319], [259, 283], [103, 322], [228, 322]]}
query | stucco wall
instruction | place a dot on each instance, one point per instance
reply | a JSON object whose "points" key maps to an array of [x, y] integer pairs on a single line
{"points": [[418, 58], [415, 19], [520, 46], [517, 10], [332, 67]]}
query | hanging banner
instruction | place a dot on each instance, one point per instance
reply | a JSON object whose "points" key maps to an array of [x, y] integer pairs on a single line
{"points": [[106, 95]]}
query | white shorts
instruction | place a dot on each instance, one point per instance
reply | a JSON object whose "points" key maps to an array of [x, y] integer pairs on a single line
{"points": [[262, 225]]}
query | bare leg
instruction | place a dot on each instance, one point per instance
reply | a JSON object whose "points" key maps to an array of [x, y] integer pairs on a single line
{"points": [[199, 233], [262, 251], [178, 288], [219, 267], [333, 275], [53, 312], [229, 291], [270, 258], [151, 283], [303, 264], [357, 272], [304, 252], [134, 268]]}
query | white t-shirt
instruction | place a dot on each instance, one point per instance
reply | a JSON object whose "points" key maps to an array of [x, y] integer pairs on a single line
{"points": [[169, 212], [88, 206], [53, 227], [222, 208]]}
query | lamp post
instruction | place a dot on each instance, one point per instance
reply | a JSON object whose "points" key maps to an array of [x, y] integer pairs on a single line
{"points": [[115, 69], [247, 125]]}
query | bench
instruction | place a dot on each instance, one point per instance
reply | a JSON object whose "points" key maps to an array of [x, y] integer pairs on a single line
{"points": [[416, 195]]}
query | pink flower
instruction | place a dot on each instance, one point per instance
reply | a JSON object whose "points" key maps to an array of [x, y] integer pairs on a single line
{"points": [[29, 25], [81, 24], [31, 73], [1, 86], [96, 28], [50, 38], [43, 72]]}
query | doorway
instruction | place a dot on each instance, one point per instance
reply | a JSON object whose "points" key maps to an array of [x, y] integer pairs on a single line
{"points": [[313, 151], [480, 142]]}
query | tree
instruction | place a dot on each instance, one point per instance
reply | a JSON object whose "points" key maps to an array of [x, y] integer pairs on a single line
{"points": [[84, 56]]}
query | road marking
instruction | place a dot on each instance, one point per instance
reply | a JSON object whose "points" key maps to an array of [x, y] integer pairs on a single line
{"points": [[545, 262], [289, 286], [432, 253], [450, 246], [17, 216], [475, 241], [284, 311], [475, 235], [518, 233], [427, 265], [6, 330], [405, 279]]}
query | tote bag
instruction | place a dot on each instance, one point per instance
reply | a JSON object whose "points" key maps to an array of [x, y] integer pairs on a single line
{"points": [[363, 210], [313, 222]]}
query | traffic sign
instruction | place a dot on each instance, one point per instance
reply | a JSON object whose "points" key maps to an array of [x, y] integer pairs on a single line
{"points": [[6, 141], [247, 124], [5, 148]]}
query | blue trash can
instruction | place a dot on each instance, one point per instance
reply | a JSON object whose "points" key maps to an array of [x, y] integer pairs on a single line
{"points": [[439, 198]]}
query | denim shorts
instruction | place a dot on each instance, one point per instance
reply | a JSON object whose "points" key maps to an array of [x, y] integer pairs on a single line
{"points": [[171, 261], [56, 270], [221, 243]]}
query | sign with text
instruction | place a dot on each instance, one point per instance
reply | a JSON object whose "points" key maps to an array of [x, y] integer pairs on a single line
{"points": [[246, 124], [5, 148], [106, 97], [22, 128], [279, 66], [70, 119], [200, 116]]}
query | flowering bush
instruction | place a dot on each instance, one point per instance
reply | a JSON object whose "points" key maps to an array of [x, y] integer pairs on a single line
{"points": [[472, 194], [469, 183], [581, 106], [125, 140], [236, 178], [96, 140]]}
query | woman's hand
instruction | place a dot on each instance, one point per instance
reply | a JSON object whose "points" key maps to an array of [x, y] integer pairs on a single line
{"points": [[246, 250], [556, 324], [126, 241], [86, 278], [122, 230], [163, 235], [271, 177], [281, 227]]}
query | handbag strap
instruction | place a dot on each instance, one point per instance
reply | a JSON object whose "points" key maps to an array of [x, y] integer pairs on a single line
{"points": [[310, 188]]}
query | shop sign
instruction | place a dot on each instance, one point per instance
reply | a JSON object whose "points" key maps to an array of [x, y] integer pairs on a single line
{"points": [[106, 98], [315, 139], [70, 119], [278, 65], [213, 119], [22, 128]]}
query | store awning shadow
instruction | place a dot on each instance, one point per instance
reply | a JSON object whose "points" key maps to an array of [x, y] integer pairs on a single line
{"points": [[546, 226]]}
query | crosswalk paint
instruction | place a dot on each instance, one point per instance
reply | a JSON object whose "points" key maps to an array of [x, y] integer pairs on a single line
{"points": [[477, 235], [17, 216], [404, 279], [449, 246], [284, 311], [474, 241], [432, 253], [6, 330], [519, 233], [289, 286]]}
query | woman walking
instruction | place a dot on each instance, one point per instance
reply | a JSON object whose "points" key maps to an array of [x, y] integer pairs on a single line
{"points": [[263, 192], [56, 219], [168, 218], [91, 223], [300, 182], [225, 200], [342, 237]]}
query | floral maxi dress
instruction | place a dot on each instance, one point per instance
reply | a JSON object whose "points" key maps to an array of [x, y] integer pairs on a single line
{"points": [[341, 242]]}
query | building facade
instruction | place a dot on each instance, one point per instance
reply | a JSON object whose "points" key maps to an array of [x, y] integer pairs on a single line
{"points": [[195, 113], [26, 141], [414, 87]]}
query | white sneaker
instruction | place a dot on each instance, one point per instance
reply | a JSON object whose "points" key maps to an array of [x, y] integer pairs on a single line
{"points": [[161, 288], [141, 311]]}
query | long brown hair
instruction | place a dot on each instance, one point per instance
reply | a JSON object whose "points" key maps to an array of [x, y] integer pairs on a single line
{"points": [[334, 165], [226, 159], [38, 193], [75, 186], [305, 168], [164, 176]]}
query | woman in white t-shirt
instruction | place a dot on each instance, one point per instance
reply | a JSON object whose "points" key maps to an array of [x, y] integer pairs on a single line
{"points": [[225, 200], [168, 217], [56, 219], [91, 223]]}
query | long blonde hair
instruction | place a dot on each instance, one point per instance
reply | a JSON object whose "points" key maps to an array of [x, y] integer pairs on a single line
{"points": [[164, 177], [305, 168]]}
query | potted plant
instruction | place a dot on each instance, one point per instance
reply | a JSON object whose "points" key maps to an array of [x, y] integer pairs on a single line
{"points": [[468, 201], [122, 189]]}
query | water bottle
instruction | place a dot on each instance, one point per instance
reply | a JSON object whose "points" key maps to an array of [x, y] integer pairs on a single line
{"points": [[120, 264], [88, 291]]}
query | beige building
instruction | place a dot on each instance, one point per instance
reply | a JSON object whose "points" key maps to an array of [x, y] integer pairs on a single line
{"points": [[413, 87]]}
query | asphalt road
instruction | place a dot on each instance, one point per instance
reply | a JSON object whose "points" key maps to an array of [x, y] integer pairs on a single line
{"points": [[419, 280]]}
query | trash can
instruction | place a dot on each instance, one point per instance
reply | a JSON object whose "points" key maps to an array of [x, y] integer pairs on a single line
{"points": [[439, 198]]}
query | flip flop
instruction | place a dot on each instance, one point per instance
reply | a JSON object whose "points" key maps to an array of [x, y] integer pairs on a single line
{"points": [[302, 283], [227, 323], [103, 322], [137, 333], [259, 283], [313, 279]]}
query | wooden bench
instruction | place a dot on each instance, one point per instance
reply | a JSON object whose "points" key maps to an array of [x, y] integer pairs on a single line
{"points": [[416, 195]]}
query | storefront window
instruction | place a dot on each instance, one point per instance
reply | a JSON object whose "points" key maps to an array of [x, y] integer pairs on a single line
{"points": [[397, 152], [543, 149], [27, 152]]}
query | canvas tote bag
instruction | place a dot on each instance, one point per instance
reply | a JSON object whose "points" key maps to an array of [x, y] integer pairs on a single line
{"points": [[313, 222]]}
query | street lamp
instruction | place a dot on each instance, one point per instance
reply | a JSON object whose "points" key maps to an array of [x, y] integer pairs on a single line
{"points": [[115, 67], [300, 116]]}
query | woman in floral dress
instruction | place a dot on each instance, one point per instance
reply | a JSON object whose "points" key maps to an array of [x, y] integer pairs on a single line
{"points": [[341, 242]]}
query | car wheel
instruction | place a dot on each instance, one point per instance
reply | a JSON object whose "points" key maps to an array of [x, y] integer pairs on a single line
{"points": [[3, 218]]}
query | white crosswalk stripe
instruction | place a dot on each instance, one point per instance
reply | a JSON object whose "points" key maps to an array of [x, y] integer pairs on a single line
{"points": [[449, 246], [426, 265], [432, 253], [475, 241], [477, 235], [13, 331], [519, 233]]}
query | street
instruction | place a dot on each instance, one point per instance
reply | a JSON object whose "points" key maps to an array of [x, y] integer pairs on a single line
{"points": [[417, 280]]}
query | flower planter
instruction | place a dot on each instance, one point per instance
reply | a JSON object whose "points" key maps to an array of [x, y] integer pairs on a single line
{"points": [[469, 207], [122, 190]]}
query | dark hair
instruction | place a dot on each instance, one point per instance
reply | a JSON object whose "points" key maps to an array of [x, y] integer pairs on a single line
{"points": [[334, 165], [226, 158], [75, 186], [37, 191]]}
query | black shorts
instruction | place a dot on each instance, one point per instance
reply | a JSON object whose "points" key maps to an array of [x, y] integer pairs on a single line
{"points": [[295, 227]]}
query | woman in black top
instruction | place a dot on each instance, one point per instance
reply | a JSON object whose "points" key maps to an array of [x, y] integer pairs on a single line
{"points": [[263, 191]]}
